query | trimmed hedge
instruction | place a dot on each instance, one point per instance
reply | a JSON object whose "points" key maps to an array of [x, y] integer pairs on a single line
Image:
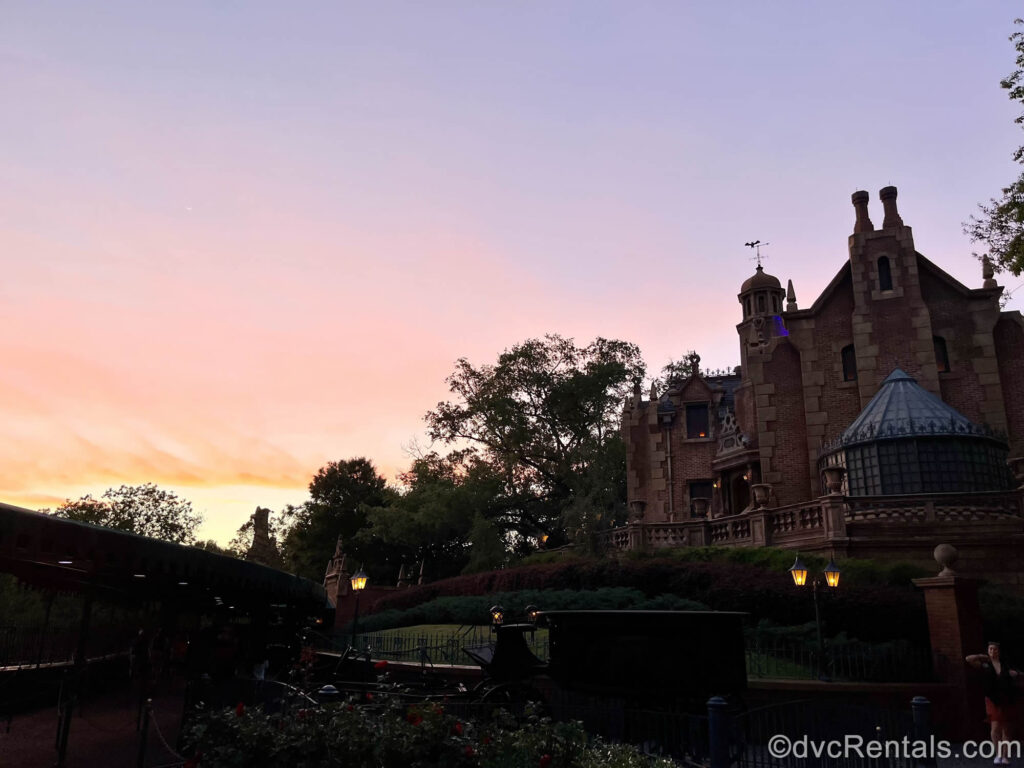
{"points": [[866, 611], [473, 609]]}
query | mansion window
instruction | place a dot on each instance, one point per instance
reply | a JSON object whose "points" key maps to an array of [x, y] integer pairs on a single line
{"points": [[941, 354], [697, 421], [884, 274], [849, 363]]}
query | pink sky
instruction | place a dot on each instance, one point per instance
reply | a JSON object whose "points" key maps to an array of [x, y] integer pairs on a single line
{"points": [[242, 241]]}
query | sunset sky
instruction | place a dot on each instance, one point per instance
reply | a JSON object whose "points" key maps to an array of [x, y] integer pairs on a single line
{"points": [[242, 239]]}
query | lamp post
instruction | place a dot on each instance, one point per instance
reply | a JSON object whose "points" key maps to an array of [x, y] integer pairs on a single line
{"points": [[358, 582], [497, 616], [799, 573]]}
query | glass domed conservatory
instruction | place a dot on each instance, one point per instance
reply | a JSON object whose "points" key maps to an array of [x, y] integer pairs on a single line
{"points": [[907, 440]]}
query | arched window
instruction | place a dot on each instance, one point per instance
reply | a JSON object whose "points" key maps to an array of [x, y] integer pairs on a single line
{"points": [[746, 307], [884, 274], [775, 304], [849, 364], [941, 354], [760, 302]]}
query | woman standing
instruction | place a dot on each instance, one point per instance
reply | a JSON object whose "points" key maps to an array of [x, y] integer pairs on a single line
{"points": [[1000, 698]]}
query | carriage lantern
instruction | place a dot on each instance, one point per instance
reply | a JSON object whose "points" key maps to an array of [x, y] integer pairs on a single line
{"points": [[532, 612], [497, 615]]}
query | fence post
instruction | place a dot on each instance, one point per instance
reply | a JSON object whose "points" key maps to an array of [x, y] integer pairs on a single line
{"points": [[718, 732], [922, 709], [144, 736]]}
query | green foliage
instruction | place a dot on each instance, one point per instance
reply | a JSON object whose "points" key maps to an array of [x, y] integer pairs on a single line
{"points": [[26, 608], [487, 550], [874, 609], [473, 609], [1002, 614], [854, 571], [432, 520], [341, 493], [143, 509], [544, 418], [1001, 223], [388, 733]]}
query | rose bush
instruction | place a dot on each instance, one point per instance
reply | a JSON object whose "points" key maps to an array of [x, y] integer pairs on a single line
{"points": [[388, 733]]}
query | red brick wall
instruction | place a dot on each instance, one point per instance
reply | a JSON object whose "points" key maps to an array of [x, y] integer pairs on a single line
{"points": [[790, 450], [951, 319], [833, 331], [1009, 339], [691, 461]]}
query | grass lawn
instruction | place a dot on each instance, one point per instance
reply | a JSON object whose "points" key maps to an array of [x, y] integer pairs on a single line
{"points": [[444, 643]]}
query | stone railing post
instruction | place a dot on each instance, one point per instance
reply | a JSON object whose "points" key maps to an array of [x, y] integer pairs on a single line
{"points": [[833, 516], [954, 627], [636, 536], [760, 528]]}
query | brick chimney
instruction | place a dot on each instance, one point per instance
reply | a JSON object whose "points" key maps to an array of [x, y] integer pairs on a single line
{"points": [[860, 205]]}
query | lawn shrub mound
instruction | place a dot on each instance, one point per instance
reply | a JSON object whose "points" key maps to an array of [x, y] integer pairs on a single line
{"points": [[873, 611], [474, 609]]}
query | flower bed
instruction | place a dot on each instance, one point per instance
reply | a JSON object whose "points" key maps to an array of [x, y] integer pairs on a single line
{"points": [[383, 732]]}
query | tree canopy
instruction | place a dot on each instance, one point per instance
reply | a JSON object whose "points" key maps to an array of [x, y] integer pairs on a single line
{"points": [[1000, 224], [544, 421], [341, 492], [143, 509]]}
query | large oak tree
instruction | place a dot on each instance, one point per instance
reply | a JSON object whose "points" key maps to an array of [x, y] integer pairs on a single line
{"points": [[544, 419], [1000, 224]]}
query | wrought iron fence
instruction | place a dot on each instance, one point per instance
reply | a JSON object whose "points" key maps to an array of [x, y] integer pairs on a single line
{"points": [[849, 662], [430, 648], [33, 647], [827, 733]]}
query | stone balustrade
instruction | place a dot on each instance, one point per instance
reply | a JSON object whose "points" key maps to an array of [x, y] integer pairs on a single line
{"points": [[813, 524]]}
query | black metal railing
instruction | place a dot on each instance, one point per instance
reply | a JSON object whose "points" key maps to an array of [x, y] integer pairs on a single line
{"points": [[842, 662], [429, 648]]}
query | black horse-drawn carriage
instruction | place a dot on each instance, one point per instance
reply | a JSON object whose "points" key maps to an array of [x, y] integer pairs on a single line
{"points": [[669, 660]]}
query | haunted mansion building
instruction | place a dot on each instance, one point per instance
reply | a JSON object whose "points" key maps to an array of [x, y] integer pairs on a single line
{"points": [[878, 421]]}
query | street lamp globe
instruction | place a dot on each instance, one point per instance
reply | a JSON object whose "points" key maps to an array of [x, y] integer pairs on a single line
{"points": [[799, 572], [832, 573], [358, 581]]}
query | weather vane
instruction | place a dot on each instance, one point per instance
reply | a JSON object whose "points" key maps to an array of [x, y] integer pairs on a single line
{"points": [[756, 245]]}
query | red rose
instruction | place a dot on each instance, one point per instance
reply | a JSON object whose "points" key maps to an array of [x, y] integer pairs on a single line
{"points": [[382, 664], [415, 718], [350, 707], [545, 761], [469, 751], [369, 697], [457, 729], [240, 709]]}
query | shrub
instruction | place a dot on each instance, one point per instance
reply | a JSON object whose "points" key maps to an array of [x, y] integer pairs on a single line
{"points": [[390, 734], [473, 609], [870, 610]]}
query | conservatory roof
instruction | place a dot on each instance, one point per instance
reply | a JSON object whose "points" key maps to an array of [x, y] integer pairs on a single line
{"points": [[903, 407]]}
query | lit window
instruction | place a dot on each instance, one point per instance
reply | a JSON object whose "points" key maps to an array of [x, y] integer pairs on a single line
{"points": [[697, 421]]}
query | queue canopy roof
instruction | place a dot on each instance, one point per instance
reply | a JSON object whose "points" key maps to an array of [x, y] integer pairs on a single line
{"points": [[67, 555]]}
